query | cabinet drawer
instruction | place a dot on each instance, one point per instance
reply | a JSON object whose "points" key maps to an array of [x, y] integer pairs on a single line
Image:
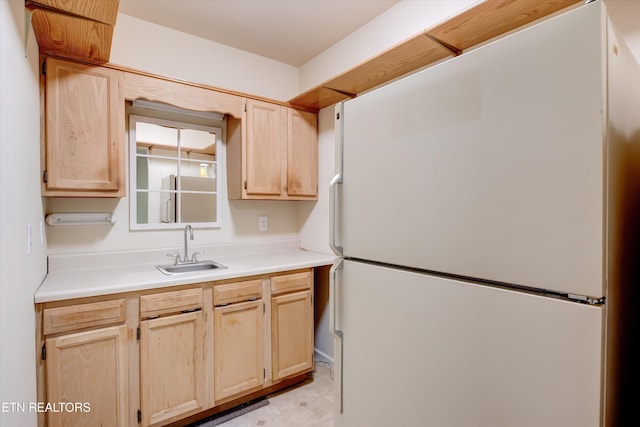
{"points": [[291, 282], [170, 302], [237, 292], [75, 317]]}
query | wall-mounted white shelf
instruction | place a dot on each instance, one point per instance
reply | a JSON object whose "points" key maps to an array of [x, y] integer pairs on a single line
{"points": [[81, 218]]}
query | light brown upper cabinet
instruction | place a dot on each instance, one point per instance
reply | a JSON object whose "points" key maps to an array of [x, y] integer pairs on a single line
{"points": [[273, 153], [302, 154], [84, 149], [265, 147]]}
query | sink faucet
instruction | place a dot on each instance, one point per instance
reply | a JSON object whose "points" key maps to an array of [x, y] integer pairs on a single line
{"points": [[190, 230]]}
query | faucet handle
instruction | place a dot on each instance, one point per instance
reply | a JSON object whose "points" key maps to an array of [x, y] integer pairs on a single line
{"points": [[176, 256], [194, 256]]}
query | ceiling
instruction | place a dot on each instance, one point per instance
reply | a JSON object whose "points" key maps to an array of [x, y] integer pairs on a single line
{"points": [[295, 31], [288, 31]]}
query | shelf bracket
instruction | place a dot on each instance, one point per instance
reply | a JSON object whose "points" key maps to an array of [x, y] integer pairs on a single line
{"points": [[341, 92], [454, 50]]}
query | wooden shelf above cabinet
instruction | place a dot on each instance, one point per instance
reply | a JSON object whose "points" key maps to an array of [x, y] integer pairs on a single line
{"points": [[104, 11], [400, 60], [477, 24], [74, 29]]}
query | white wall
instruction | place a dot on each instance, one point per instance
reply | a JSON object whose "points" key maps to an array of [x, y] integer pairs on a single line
{"points": [[150, 47], [314, 216], [314, 233], [20, 205], [239, 223]]}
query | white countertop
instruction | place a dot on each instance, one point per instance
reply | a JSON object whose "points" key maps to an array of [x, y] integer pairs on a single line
{"points": [[87, 275]]}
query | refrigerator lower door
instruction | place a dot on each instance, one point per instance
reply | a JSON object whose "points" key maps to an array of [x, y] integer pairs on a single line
{"points": [[420, 350]]}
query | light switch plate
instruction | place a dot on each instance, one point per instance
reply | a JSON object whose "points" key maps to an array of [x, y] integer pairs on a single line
{"points": [[29, 238]]}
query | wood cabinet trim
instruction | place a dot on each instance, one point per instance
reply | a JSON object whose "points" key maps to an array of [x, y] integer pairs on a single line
{"points": [[291, 282], [181, 94], [136, 80], [237, 292], [170, 302], [76, 317]]}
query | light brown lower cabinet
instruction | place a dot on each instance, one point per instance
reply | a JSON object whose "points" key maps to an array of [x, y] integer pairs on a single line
{"points": [[238, 348], [171, 367], [153, 358], [291, 333], [89, 371]]}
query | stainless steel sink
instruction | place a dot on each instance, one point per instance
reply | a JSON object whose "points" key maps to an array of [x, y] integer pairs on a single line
{"points": [[190, 267]]}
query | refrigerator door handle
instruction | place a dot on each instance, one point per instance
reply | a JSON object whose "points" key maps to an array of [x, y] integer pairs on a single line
{"points": [[333, 206], [335, 332], [333, 193]]}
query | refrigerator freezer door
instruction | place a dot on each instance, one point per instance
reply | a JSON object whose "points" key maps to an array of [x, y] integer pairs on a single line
{"points": [[489, 165], [425, 351]]}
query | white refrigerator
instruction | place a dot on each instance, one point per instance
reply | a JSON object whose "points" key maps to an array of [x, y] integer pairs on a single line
{"points": [[479, 210]]}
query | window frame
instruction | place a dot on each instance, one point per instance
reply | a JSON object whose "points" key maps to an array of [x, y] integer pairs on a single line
{"points": [[220, 174]]}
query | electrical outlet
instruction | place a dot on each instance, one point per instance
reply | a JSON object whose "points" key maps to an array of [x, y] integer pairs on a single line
{"points": [[263, 223]]}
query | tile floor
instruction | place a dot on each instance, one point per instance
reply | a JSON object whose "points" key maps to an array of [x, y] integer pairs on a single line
{"points": [[307, 405]]}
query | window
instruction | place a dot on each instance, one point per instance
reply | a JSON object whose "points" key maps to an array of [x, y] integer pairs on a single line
{"points": [[174, 173]]}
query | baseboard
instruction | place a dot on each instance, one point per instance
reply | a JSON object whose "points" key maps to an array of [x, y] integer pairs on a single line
{"points": [[322, 357]]}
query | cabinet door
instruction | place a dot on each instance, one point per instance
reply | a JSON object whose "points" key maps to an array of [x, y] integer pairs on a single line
{"points": [[302, 154], [239, 348], [291, 334], [264, 148], [89, 367], [84, 131], [171, 367]]}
